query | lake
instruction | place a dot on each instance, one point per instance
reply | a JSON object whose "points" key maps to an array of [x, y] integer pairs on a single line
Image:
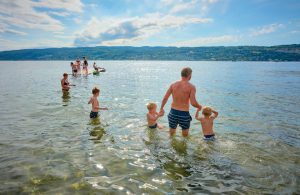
{"points": [[49, 145]]}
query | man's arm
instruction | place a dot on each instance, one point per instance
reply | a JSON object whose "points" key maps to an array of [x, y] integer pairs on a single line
{"points": [[193, 99], [197, 115], [165, 100]]}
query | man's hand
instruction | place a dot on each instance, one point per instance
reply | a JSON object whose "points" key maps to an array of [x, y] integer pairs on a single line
{"points": [[199, 107], [161, 112]]}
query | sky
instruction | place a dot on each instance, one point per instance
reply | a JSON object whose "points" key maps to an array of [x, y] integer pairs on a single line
{"points": [[180, 23]]}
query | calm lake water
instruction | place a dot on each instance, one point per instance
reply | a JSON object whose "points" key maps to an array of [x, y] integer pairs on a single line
{"points": [[49, 145]]}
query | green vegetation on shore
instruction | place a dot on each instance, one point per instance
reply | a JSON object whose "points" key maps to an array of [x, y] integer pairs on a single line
{"points": [[235, 53]]}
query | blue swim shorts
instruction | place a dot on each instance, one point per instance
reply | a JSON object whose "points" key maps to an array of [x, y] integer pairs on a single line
{"points": [[153, 126], [93, 114], [209, 137], [181, 118]]}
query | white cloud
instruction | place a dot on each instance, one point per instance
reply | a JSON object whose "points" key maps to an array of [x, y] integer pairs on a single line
{"points": [[117, 30], [266, 29], [69, 5], [27, 44], [61, 14], [24, 13], [182, 6], [200, 6], [206, 41], [77, 20]]}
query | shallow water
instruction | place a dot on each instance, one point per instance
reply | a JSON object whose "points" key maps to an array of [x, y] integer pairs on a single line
{"points": [[49, 145]]}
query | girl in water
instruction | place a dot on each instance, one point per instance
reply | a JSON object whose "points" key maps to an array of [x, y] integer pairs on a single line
{"points": [[65, 85]]}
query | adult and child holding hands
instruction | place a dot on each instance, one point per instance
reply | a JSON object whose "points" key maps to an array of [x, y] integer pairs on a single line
{"points": [[183, 94]]}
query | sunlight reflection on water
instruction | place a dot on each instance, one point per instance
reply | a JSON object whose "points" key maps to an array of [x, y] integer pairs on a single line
{"points": [[48, 143]]}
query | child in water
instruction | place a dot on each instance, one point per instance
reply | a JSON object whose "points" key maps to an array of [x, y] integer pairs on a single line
{"points": [[77, 64], [207, 122], [85, 65], [95, 67], [152, 116], [95, 103], [74, 69]]}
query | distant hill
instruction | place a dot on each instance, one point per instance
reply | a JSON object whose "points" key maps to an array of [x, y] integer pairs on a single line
{"points": [[236, 53]]}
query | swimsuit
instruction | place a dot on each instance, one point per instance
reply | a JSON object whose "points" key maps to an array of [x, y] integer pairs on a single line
{"points": [[93, 114], [209, 137], [183, 118], [153, 126]]}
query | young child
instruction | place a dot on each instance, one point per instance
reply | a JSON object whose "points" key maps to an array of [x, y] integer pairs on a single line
{"points": [[95, 103], [152, 116], [207, 122]]}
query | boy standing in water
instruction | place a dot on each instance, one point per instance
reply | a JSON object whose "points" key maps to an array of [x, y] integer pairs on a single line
{"points": [[152, 116], [207, 122], [95, 103]]}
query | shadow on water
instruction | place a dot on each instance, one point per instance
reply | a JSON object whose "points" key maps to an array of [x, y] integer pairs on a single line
{"points": [[66, 98], [98, 130], [169, 160]]}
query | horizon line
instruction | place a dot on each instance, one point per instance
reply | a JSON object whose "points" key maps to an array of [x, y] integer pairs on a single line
{"points": [[72, 47]]}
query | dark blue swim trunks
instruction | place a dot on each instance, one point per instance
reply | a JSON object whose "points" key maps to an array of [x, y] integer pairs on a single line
{"points": [[93, 114], [181, 118], [209, 137], [153, 126]]}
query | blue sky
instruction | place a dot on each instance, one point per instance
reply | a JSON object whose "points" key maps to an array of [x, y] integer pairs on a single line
{"points": [[77, 23]]}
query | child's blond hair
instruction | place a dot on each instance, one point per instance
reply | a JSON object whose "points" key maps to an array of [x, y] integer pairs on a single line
{"points": [[95, 90], [207, 111], [151, 105]]}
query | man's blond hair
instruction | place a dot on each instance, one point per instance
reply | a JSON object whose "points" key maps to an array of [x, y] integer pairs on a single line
{"points": [[186, 72]]}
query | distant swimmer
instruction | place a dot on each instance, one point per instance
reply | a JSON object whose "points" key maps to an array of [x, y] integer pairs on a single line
{"points": [[95, 67], [85, 66], [65, 85], [184, 94], [77, 63], [98, 68], [95, 103], [152, 116], [207, 122], [74, 69]]}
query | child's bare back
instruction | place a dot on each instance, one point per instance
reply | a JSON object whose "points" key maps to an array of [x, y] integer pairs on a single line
{"points": [[207, 121]]}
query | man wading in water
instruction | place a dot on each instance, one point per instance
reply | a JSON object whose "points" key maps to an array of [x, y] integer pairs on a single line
{"points": [[183, 93]]}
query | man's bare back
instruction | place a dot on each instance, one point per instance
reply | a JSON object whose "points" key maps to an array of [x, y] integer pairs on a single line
{"points": [[181, 92]]}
